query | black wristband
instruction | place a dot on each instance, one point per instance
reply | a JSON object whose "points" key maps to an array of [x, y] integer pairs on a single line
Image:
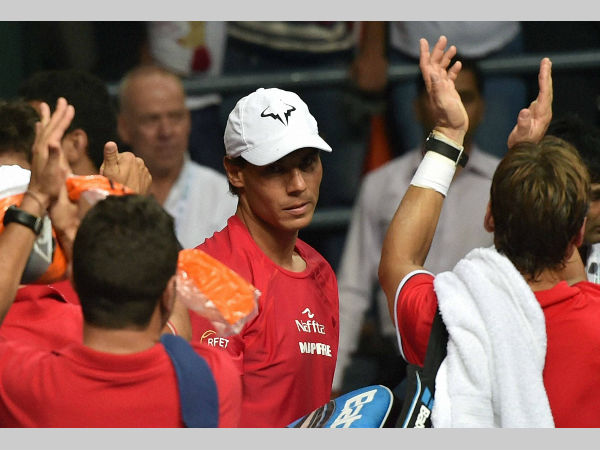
{"points": [[435, 145], [16, 215]]}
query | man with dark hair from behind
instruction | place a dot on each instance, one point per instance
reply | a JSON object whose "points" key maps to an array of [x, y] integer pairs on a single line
{"points": [[585, 137], [125, 257], [116, 293], [124, 262], [17, 132], [95, 121]]}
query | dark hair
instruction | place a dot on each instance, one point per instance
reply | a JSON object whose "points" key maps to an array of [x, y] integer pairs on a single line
{"points": [[94, 108], [469, 64], [124, 254], [17, 127], [582, 135], [539, 200]]}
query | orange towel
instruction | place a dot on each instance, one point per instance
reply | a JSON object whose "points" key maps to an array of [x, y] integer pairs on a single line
{"points": [[78, 184], [213, 290]]}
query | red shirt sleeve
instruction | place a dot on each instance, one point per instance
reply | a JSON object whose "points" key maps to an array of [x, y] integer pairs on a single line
{"points": [[415, 307]]}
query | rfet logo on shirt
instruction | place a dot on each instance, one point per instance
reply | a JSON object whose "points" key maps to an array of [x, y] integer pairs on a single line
{"points": [[307, 324], [210, 337]]}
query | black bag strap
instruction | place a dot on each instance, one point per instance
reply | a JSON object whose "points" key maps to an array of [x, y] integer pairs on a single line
{"points": [[418, 402], [197, 388], [436, 347]]}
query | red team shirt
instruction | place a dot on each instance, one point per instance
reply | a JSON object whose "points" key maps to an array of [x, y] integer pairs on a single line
{"points": [[80, 387], [41, 316], [66, 290], [572, 363], [76, 386], [288, 352]]}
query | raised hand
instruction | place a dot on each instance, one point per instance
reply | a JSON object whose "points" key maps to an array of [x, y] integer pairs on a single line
{"points": [[450, 115], [125, 168], [49, 167], [533, 122]]}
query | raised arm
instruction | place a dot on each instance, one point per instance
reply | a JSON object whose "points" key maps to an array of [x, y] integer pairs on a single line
{"points": [[48, 173], [411, 231]]}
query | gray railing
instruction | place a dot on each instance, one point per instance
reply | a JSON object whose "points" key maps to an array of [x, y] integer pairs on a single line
{"points": [[529, 63], [340, 217]]}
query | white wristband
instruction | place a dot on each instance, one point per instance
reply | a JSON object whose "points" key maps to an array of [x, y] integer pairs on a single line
{"points": [[435, 172]]}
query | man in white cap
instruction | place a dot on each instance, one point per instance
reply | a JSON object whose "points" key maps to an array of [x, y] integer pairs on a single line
{"points": [[287, 353]]}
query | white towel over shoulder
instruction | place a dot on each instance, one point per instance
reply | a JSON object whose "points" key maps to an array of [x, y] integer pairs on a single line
{"points": [[493, 373]]}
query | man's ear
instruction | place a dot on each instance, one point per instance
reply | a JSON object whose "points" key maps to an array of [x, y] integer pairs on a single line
{"points": [[488, 220], [75, 144], [234, 172], [167, 300]]}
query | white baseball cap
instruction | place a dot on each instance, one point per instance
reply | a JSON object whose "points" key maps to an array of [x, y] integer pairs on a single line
{"points": [[268, 124]]}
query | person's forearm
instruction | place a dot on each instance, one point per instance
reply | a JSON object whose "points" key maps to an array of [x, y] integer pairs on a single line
{"points": [[411, 231], [65, 221], [373, 38], [179, 322], [16, 242]]}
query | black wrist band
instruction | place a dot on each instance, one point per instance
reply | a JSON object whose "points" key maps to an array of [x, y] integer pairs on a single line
{"points": [[435, 145], [16, 215]]}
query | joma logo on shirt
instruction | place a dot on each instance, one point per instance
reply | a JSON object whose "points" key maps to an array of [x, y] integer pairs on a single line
{"points": [[315, 348], [310, 326]]}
